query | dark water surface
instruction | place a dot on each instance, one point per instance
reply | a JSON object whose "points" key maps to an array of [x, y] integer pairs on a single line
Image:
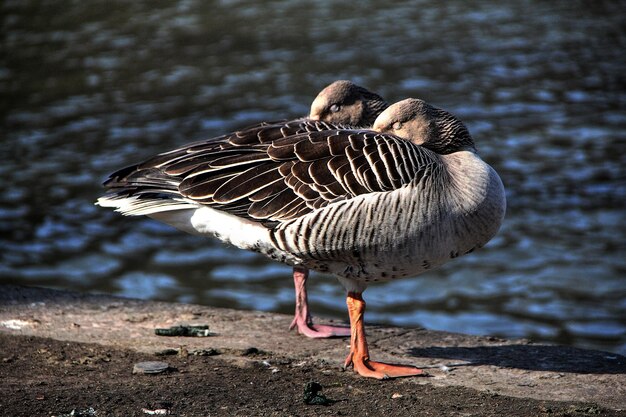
{"points": [[89, 87]]}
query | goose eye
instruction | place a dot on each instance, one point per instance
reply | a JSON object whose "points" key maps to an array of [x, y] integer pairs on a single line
{"points": [[397, 126], [335, 108]]}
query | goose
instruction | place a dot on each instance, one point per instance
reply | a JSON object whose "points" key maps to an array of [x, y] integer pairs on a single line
{"points": [[341, 103], [366, 205]]}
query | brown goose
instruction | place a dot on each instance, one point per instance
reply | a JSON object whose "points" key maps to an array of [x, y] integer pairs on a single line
{"points": [[341, 103], [346, 104], [365, 205]]}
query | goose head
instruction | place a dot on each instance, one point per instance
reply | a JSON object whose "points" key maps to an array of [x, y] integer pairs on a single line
{"points": [[425, 125], [346, 103]]}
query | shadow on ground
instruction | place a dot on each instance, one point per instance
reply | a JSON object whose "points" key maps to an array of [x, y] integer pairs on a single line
{"points": [[531, 357]]}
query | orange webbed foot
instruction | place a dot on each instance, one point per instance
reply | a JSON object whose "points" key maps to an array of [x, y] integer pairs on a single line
{"points": [[381, 370]]}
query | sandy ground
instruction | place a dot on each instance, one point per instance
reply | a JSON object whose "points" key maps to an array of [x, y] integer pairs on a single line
{"points": [[62, 351]]}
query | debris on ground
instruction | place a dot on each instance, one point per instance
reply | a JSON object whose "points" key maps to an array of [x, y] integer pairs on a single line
{"points": [[185, 330], [87, 412], [205, 352], [272, 368], [312, 395], [156, 412]]}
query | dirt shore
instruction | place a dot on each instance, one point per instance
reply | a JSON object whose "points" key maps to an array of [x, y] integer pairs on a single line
{"points": [[63, 351]]}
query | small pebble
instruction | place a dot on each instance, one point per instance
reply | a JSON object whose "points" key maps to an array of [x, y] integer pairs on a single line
{"points": [[150, 367], [396, 395]]}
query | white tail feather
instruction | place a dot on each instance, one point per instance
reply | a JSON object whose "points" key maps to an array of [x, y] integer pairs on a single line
{"points": [[133, 206]]}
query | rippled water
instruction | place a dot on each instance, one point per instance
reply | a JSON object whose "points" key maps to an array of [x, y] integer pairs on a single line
{"points": [[89, 87]]}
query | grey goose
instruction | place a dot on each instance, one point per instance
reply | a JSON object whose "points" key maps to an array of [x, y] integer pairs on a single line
{"points": [[341, 103], [366, 205]]}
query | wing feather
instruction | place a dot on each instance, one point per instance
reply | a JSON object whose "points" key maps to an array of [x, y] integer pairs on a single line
{"points": [[246, 183], [274, 172]]}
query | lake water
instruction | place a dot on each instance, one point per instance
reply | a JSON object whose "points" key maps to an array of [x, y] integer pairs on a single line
{"points": [[89, 87]]}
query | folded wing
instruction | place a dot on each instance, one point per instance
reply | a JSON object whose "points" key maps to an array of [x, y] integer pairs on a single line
{"points": [[272, 172]]}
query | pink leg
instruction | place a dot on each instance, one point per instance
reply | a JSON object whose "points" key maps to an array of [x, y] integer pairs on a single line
{"points": [[302, 320]]}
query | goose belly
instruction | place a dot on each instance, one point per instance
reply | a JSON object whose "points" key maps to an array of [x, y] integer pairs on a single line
{"points": [[230, 229]]}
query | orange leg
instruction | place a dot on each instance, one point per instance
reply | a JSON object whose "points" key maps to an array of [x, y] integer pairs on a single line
{"points": [[359, 355], [302, 320]]}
